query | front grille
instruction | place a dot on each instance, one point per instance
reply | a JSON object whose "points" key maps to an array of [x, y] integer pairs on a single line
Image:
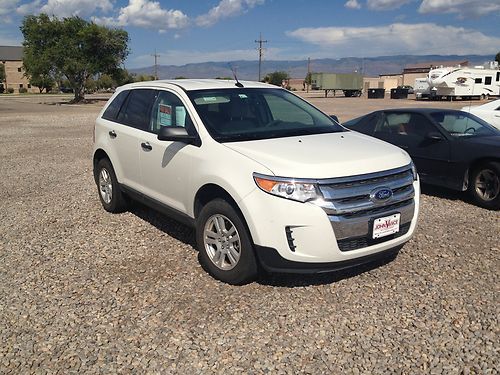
{"points": [[378, 210], [351, 207], [355, 243]]}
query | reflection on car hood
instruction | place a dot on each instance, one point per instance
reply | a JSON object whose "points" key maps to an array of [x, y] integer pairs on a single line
{"points": [[323, 155]]}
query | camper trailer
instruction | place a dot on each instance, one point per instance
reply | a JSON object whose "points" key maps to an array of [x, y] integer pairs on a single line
{"points": [[477, 82], [421, 88]]}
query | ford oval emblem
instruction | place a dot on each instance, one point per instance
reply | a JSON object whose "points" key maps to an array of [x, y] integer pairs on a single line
{"points": [[381, 194]]}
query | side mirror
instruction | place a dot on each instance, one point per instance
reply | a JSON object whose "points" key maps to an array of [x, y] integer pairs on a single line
{"points": [[177, 134], [335, 118], [434, 136]]}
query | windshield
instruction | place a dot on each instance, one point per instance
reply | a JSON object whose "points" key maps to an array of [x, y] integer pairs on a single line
{"points": [[249, 113], [463, 124]]}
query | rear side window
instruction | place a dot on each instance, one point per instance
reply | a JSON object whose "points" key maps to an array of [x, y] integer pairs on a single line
{"points": [[137, 109], [112, 111]]}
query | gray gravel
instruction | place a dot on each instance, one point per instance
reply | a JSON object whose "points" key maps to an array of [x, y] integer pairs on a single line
{"points": [[85, 291]]}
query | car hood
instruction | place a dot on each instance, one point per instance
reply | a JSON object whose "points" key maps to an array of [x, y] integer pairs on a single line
{"points": [[323, 155]]}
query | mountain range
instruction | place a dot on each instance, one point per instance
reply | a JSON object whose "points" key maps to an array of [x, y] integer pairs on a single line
{"points": [[370, 66]]}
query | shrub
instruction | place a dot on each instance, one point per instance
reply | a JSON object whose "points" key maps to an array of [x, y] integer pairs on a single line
{"points": [[10, 90], [23, 90]]}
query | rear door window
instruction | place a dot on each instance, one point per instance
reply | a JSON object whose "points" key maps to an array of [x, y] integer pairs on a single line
{"points": [[112, 111], [137, 108]]}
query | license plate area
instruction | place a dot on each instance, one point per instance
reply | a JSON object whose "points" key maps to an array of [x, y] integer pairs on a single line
{"points": [[386, 225]]}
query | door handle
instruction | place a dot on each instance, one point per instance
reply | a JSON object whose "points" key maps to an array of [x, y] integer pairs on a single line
{"points": [[112, 134], [146, 146]]}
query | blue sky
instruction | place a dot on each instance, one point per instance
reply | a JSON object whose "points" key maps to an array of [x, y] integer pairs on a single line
{"points": [[193, 31]]}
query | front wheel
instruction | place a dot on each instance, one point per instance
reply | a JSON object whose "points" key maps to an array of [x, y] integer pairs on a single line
{"points": [[111, 197], [225, 249], [485, 185]]}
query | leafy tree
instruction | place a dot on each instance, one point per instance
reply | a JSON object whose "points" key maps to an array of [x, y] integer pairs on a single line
{"points": [[104, 82], [73, 48], [144, 77], [180, 77], [308, 79], [276, 78], [43, 81], [2, 73], [122, 77], [497, 58]]}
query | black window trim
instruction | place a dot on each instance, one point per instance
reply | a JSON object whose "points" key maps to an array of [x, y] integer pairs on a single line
{"points": [[114, 119], [157, 90], [125, 104]]}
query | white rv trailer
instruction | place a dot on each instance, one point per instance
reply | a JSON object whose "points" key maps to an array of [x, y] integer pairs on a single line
{"points": [[421, 88], [479, 81]]}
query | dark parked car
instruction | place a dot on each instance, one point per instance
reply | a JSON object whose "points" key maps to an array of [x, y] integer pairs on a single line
{"points": [[450, 148]]}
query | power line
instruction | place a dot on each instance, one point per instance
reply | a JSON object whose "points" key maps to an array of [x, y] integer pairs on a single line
{"points": [[156, 64], [260, 49]]}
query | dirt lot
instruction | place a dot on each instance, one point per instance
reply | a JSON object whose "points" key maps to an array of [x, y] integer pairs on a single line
{"points": [[85, 291]]}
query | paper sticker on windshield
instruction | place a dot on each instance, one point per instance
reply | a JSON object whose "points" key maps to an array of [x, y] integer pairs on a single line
{"points": [[165, 115], [242, 96]]}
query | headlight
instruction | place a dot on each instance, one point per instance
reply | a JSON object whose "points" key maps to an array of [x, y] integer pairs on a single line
{"points": [[414, 171], [287, 188]]}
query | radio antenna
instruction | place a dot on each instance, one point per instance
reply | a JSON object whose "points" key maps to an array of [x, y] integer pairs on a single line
{"points": [[238, 83]]}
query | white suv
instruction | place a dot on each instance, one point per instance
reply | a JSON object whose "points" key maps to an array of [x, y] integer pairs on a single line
{"points": [[266, 179]]}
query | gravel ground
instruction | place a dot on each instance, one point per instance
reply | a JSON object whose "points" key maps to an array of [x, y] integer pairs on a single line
{"points": [[85, 291]]}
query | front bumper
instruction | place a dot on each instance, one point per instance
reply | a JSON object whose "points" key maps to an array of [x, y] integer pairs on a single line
{"points": [[288, 234], [272, 261]]}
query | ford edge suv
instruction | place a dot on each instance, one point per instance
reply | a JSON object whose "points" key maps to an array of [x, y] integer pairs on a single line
{"points": [[267, 180]]}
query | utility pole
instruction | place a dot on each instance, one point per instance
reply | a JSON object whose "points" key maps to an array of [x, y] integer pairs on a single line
{"points": [[260, 49], [156, 64], [308, 73]]}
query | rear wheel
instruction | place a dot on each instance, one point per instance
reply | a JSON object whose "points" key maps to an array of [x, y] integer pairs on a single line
{"points": [[111, 197], [484, 185], [226, 251]]}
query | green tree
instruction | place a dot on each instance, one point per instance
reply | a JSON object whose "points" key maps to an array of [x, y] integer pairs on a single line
{"points": [[2, 78], [2, 72], [497, 58], [276, 78], [44, 81], [144, 77], [73, 48], [105, 81], [122, 77]]}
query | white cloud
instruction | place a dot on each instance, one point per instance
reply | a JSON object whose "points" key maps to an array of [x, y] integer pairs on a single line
{"points": [[29, 8], [147, 14], [398, 38], [464, 8], [352, 4], [181, 57], [226, 9], [386, 4], [7, 7], [67, 8]]}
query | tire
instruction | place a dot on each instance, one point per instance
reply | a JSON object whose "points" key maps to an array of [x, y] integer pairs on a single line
{"points": [[229, 258], [484, 185], [112, 198]]}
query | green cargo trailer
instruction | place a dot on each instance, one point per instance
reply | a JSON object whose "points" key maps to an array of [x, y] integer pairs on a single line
{"points": [[350, 83]]}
